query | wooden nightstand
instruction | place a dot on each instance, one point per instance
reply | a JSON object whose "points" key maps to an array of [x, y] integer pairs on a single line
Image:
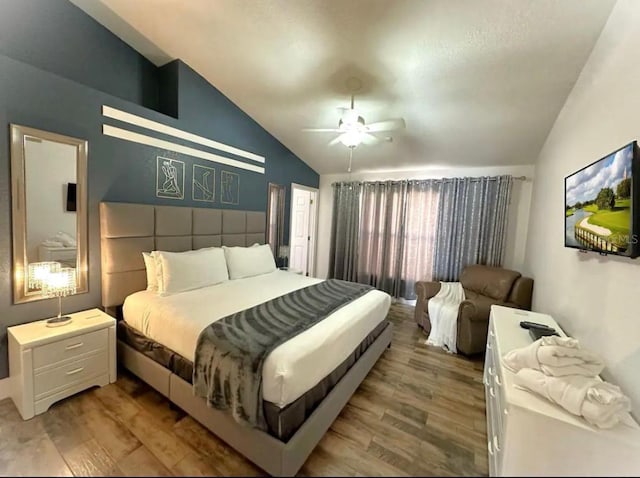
{"points": [[47, 364]]}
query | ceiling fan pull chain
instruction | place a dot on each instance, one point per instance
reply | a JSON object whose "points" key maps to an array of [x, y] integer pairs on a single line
{"points": [[350, 160]]}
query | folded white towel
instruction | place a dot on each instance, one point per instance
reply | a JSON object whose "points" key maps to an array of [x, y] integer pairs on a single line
{"points": [[556, 356], [600, 403]]}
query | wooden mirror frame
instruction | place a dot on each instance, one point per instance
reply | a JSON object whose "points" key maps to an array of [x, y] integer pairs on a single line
{"points": [[19, 135]]}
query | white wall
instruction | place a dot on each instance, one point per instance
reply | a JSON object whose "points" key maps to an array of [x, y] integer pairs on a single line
{"points": [[49, 167], [596, 299], [518, 211]]}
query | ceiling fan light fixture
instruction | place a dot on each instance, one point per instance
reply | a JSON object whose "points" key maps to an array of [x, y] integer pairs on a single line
{"points": [[352, 117], [351, 122], [353, 130], [351, 138]]}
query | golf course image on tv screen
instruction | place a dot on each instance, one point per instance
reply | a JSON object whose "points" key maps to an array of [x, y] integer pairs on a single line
{"points": [[598, 204]]}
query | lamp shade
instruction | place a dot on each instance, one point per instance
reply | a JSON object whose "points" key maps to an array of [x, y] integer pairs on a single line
{"points": [[39, 271], [60, 283], [283, 251]]}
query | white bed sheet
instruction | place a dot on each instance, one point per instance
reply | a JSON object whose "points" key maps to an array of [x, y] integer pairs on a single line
{"points": [[291, 369]]}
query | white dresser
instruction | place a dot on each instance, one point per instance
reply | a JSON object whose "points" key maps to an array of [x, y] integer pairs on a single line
{"points": [[47, 364], [528, 435]]}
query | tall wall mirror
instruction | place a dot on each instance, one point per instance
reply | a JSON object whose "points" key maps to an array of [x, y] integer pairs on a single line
{"points": [[275, 221], [49, 210]]}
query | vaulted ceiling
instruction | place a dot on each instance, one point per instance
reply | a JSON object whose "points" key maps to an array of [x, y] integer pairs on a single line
{"points": [[479, 83]]}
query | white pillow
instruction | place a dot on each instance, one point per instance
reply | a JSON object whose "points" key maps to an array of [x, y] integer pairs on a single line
{"points": [[182, 271], [150, 266], [249, 261]]}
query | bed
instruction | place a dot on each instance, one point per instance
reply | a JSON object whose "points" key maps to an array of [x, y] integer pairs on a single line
{"points": [[306, 380]]}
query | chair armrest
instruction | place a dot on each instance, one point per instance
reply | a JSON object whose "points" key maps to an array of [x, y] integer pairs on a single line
{"points": [[473, 322], [426, 290], [473, 312], [467, 311], [522, 293]]}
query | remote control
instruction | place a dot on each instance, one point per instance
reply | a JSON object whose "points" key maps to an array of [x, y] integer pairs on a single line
{"points": [[537, 333], [525, 324]]}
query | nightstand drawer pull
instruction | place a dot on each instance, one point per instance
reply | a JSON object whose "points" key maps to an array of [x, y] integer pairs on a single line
{"points": [[496, 445], [74, 346], [77, 370]]}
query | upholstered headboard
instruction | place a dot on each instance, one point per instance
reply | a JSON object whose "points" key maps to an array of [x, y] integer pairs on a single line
{"points": [[127, 230]]}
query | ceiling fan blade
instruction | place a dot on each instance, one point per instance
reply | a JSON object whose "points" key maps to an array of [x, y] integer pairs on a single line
{"points": [[370, 139], [387, 125], [321, 130], [336, 140]]}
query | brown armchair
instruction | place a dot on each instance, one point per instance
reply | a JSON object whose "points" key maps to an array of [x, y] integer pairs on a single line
{"points": [[483, 287]]}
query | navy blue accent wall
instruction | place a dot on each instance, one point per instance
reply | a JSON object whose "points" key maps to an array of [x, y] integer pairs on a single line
{"points": [[45, 90], [168, 90], [58, 37]]}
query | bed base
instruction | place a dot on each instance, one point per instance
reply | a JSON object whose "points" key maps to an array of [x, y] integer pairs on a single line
{"points": [[272, 455]]}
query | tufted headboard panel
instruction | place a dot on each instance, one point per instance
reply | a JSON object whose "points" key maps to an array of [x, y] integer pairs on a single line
{"points": [[127, 230]]}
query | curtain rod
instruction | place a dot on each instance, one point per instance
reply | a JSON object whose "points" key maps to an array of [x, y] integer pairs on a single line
{"points": [[490, 178]]}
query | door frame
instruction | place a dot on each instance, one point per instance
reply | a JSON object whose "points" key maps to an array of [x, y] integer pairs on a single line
{"points": [[313, 225]]}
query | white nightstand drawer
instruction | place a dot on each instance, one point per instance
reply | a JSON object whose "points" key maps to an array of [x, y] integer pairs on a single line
{"points": [[62, 377], [68, 348]]}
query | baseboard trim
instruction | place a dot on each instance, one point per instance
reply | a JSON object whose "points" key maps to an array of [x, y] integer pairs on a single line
{"points": [[5, 388]]}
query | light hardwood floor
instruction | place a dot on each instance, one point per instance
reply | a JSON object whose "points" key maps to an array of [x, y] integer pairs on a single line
{"points": [[420, 412]]}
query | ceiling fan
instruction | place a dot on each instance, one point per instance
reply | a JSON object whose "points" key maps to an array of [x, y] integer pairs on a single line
{"points": [[353, 131]]}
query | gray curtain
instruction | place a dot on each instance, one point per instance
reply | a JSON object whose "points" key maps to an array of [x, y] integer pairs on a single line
{"points": [[345, 230], [391, 234], [394, 238], [381, 235], [423, 198], [471, 226]]}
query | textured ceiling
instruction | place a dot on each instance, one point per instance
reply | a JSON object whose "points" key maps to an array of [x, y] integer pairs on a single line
{"points": [[478, 83]]}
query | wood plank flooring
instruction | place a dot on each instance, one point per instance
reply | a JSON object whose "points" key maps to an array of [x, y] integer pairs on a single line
{"points": [[420, 412]]}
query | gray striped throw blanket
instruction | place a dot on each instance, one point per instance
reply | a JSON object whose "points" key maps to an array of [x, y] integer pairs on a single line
{"points": [[230, 353]]}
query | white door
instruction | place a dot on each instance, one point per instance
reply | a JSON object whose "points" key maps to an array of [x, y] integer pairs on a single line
{"points": [[300, 214]]}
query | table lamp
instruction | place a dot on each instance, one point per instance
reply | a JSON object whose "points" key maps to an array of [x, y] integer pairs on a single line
{"points": [[59, 284], [283, 256], [38, 271]]}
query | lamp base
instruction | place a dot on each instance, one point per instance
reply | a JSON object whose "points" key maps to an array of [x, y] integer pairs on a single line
{"points": [[59, 321]]}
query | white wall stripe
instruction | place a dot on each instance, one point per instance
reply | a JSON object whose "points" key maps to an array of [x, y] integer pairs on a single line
{"points": [[126, 135], [119, 115]]}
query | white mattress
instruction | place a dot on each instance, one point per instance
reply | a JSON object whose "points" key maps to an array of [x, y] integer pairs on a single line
{"points": [[294, 367]]}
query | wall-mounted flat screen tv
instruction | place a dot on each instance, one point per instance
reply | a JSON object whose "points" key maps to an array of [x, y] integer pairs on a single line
{"points": [[601, 204], [71, 197]]}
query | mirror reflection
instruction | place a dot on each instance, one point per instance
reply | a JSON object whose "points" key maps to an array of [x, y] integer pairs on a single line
{"points": [[49, 210], [50, 186], [275, 219]]}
